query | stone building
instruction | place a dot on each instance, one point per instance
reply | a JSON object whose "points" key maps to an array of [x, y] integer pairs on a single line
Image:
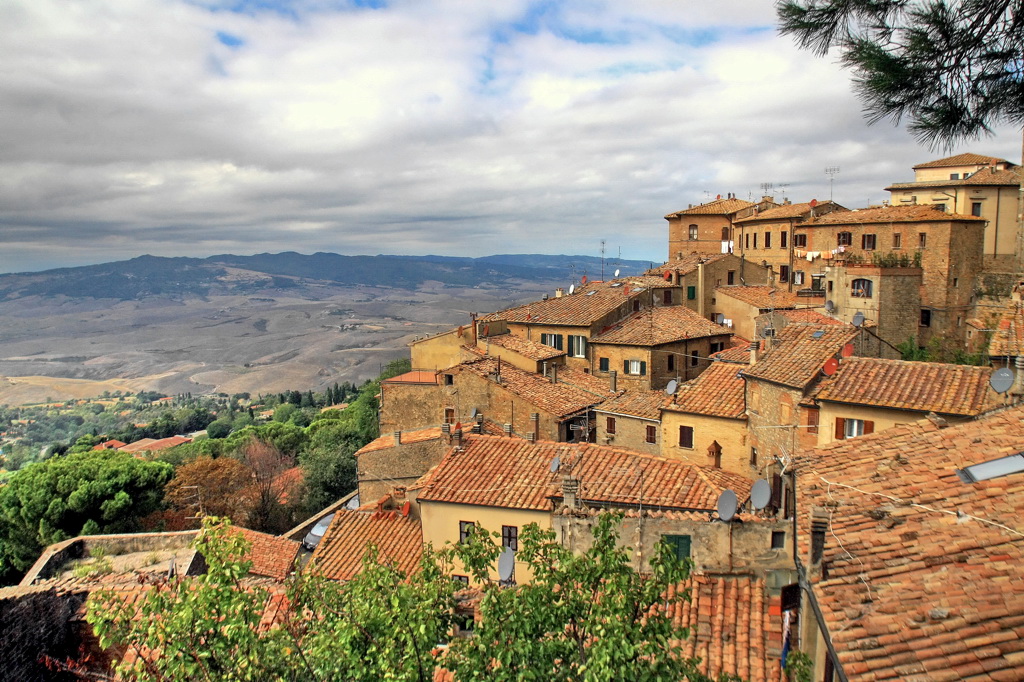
{"points": [[889, 299], [708, 228], [631, 420]]}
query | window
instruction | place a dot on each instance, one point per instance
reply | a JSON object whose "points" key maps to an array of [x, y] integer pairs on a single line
{"points": [[956, 282], [830, 286], [851, 428], [636, 305], [693, 232], [755, 240], [652, 434], [867, 242], [694, 358], [691, 293], [602, 364], [922, 239], [577, 346], [464, 579], [449, 415], [636, 367], [730, 278], [465, 528], [940, 207], [954, 176], [686, 436], [798, 277], [783, 273], [897, 241], [844, 239], [680, 545], [510, 537], [449, 379], [976, 208], [747, 240], [767, 240], [553, 340], [753, 457], [609, 426], [783, 239], [800, 241], [717, 346], [778, 539], [725, 233], [861, 288], [926, 317], [670, 365], [812, 421], [667, 297]]}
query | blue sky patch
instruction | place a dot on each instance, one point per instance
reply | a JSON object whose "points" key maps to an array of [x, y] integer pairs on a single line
{"points": [[230, 40]]}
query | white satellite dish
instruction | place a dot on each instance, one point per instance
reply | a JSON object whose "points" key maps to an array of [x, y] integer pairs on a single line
{"points": [[506, 564], [858, 319], [572, 288], [830, 306], [671, 388], [761, 494], [1001, 380], [727, 505], [555, 463], [616, 272]]}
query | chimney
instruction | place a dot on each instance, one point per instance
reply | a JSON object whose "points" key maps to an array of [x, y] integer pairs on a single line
{"points": [[446, 428], [554, 373], [570, 489], [544, 368], [559, 292], [535, 423], [507, 428], [530, 438], [457, 437], [819, 528], [613, 381], [476, 331], [754, 346], [398, 437]]}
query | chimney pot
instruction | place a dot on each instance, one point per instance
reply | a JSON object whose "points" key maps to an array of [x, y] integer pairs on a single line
{"points": [[554, 373], [446, 428], [613, 381], [570, 490], [507, 428], [398, 437]]}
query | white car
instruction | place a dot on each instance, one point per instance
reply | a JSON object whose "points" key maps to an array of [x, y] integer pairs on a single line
{"points": [[314, 536]]}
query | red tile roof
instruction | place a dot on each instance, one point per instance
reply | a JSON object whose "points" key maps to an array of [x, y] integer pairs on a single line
{"points": [[889, 214], [525, 347], [787, 211], [686, 264], [658, 326], [590, 303], [925, 572], [808, 316], [922, 386], [966, 159], [388, 440], [716, 207], [717, 392], [642, 404], [416, 376], [398, 539], [151, 445], [513, 473], [985, 177], [1008, 339], [271, 556], [800, 352], [760, 296]]}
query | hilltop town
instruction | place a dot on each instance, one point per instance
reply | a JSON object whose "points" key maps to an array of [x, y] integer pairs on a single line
{"points": [[813, 404]]}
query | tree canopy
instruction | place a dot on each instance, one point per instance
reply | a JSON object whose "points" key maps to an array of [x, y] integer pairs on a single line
{"points": [[953, 69]]}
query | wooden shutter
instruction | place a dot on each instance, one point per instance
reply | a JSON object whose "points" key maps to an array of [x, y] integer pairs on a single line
{"points": [[869, 427], [603, 364], [643, 368], [625, 366], [840, 428], [691, 292]]}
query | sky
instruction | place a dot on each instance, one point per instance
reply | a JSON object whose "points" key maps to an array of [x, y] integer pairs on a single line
{"points": [[201, 127]]}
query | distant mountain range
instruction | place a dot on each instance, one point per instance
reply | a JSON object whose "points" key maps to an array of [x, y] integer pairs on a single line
{"points": [[148, 276]]}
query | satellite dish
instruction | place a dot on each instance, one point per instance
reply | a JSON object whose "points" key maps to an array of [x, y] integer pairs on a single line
{"points": [[761, 494], [830, 306], [572, 288], [474, 413], [847, 350], [506, 564], [1001, 380], [830, 367], [670, 389], [583, 279], [458, 426], [727, 505], [616, 272], [858, 319], [814, 202], [555, 463], [406, 507], [668, 275]]}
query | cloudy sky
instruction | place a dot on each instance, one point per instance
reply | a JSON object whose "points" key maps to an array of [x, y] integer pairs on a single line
{"points": [[457, 127]]}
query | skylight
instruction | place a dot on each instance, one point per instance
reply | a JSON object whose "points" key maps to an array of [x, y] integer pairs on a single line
{"points": [[1004, 466]]}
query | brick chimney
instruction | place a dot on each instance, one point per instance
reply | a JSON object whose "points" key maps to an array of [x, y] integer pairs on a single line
{"points": [[554, 373], [613, 381], [535, 424], [570, 490]]}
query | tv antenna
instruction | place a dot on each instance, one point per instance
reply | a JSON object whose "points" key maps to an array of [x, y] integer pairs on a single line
{"points": [[766, 188], [831, 171]]}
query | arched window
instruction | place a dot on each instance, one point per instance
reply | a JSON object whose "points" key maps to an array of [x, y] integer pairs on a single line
{"points": [[725, 233], [693, 232], [861, 288]]}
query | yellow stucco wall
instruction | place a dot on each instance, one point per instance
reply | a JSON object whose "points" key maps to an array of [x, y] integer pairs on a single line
{"points": [[884, 418], [731, 434], [442, 350]]}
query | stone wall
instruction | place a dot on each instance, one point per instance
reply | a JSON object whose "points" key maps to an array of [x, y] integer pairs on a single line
{"points": [[407, 406], [630, 432], [380, 471], [36, 621]]}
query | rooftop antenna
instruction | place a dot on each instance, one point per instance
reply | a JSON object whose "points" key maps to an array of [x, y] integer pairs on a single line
{"points": [[602, 260], [766, 188], [782, 189], [831, 171]]}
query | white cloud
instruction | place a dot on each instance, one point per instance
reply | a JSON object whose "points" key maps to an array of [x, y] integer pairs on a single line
{"points": [[434, 126]]}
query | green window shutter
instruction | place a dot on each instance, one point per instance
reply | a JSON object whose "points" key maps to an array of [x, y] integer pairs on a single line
{"points": [[691, 293], [680, 545], [603, 364], [558, 342], [643, 368], [625, 366]]}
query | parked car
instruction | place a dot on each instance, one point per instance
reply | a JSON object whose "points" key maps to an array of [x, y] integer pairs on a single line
{"points": [[314, 536]]}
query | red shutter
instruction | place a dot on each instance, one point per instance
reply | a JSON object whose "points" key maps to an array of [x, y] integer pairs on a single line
{"points": [[840, 428], [869, 427]]}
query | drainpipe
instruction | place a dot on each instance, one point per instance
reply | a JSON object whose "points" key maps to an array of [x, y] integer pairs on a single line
{"points": [[700, 288]]}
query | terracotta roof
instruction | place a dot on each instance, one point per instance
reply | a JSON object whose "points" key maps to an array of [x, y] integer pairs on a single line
{"points": [[717, 392], [578, 309], [716, 207], [966, 159], [800, 352], [787, 211], [732, 626], [525, 347], [985, 177], [808, 316], [398, 539], [109, 445], [686, 264], [642, 404], [561, 399], [513, 473], [888, 214], [1008, 340], [658, 326], [153, 445], [138, 446], [388, 440], [925, 572], [271, 556], [416, 376], [760, 296], [923, 386]]}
